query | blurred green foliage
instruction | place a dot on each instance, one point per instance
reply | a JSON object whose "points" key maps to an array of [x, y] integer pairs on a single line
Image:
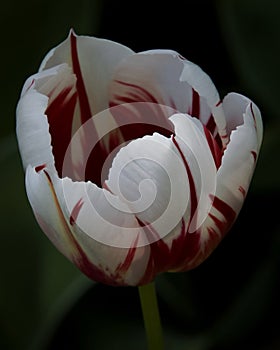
{"points": [[45, 303]]}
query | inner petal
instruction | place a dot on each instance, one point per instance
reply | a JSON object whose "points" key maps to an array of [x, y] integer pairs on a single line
{"points": [[148, 175], [156, 77]]}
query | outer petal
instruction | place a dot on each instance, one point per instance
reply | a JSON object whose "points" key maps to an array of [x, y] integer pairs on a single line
{"points": [[44, 116], [92, 61], [33, 137], [234, 106], [77, 217], [111, 238], [97, 59], [240, 157], [45, 206], [233, 177]]}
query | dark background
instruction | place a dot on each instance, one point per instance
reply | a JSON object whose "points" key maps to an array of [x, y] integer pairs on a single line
{"points": [[232, 300]]}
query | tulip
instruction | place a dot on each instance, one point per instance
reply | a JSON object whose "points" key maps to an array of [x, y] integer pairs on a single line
{"points": [[133, 164]]}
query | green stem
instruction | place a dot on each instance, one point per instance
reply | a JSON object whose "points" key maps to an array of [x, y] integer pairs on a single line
{"points": [[151, 316]]}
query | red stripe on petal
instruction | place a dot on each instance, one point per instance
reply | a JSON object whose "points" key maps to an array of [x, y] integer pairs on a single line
{"points": [[193, 196], [214, 148], [213, 234], [219, 142], [151, 234], [60, 113], [254, 154], [196, 248], [75, 212], [221, 225], [40, 167], [211, 125], [178, 249], [99, 153], [226, 210], [140, 119], [242, 190], [83, 98], [159, 254], [143, 94], [195, 112], [253, 115], [158, 261], [124, 266]]}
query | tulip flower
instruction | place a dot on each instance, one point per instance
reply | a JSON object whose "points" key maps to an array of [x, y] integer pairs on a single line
{"points": [[134, 165]]}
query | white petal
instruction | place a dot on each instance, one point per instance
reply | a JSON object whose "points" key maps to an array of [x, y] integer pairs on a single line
{"points": [[233, 178], [193, 145], [33, 125], [67, 213], [163, 77], [105, 233], [46, 208], [202, 83], [238, 162], [149, 176], [151, 76], [234, 106], [32, 130], [97, 60]]}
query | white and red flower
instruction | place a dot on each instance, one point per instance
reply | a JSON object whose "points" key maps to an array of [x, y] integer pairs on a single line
{"points": [[134, 166]]}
